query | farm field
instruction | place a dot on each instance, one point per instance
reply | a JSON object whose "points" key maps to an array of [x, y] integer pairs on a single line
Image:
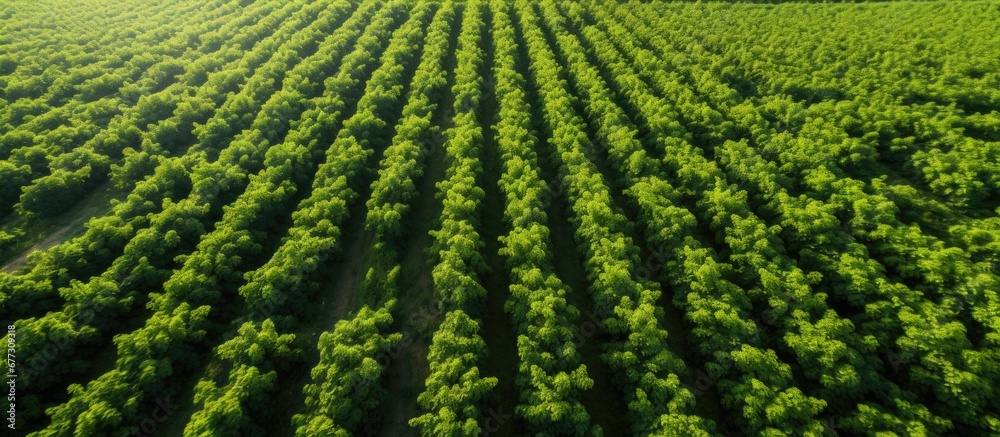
{"points": [[492, 217]]}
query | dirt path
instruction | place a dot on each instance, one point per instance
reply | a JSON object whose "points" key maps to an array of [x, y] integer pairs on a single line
{"points": [[340, 281], [498, 333], [66, 225], [417, 315], [605, 402]]}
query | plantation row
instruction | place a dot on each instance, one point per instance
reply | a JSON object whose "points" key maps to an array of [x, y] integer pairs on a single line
{"points": [[785, 227]]}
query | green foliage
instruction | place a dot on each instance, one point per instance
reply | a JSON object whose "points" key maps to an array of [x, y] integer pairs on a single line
{"points": [[51, 195], [238, 406], [454, 388], [805, 195], [346, 384], [639, 355], [551, 376]]}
